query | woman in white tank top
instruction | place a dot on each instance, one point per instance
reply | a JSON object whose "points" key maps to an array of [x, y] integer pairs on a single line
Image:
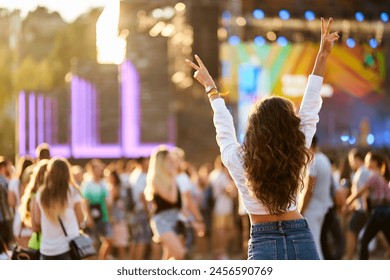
{"points": [[59, 198]]}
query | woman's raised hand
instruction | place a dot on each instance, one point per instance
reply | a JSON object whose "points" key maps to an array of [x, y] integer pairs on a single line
{"points": [[201, 73], [327, 38]]}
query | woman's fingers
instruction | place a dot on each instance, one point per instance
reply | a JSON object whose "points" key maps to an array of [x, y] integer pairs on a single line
{"points": [[199, 61], [333, 36], [193, 65], [322, 25], [328, 26]]}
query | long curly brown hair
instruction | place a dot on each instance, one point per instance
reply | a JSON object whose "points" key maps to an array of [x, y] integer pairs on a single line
{"points": [[274, 154]]}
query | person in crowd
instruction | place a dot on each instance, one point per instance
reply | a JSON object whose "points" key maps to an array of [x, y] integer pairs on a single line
{"points": [[377, 189], [162, 192], [6, 235], [59, 199], [245, 227], [27, 201], [95, 191], [141, 234], [42, 151], [206, 206], [78, 174], [190, 213], [267, 168], [120, 230], [332, 235], [359, 210], [222, 221], [317, 200], [16, 189]]}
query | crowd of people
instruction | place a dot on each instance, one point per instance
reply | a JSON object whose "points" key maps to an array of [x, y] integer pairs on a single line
{"points": [[163, 207], [128, 207], [275, 196]]}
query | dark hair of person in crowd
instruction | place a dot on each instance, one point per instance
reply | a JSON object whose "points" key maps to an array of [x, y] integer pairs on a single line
{"points": [[382, 162], [275, 153], [116, 184], [43, 151], [358, 153], [23, 163]]}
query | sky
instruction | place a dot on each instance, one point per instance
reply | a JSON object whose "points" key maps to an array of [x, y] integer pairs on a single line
{"points": [[69, 9]]}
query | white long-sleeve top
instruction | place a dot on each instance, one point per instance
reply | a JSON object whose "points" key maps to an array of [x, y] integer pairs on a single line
{"points": [[230, 149]]}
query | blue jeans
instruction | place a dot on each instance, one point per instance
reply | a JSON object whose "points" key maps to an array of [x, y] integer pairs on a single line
{"points": [[282, 240]]}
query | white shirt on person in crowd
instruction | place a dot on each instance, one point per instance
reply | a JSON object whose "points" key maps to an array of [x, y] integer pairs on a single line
{"points": [[137, 180], [320, 168], [223, 203], [54, 242], [359, 179]]}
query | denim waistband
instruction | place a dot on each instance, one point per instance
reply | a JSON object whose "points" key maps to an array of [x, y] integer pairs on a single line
{"points": [[299, 223]]}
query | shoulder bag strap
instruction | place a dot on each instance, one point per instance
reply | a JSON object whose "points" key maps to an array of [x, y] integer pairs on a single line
{"points": [[21, 229], [62, 226]]}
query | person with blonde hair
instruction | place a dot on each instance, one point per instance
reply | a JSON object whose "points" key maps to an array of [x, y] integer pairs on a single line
{"points": [[267, 167], [28, 198], [162, 193], [59, 199]]}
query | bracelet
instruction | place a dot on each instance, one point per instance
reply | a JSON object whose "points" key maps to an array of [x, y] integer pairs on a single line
{"points": [[216, 92], [208, 89]]}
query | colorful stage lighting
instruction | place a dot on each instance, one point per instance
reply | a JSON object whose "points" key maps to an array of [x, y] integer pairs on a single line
{"points": [[310, 15], [258, 14], [259, 41], [359, 16], [373, 43], [234, 40], [282, 41], [284, 14], [350, 43], [384, 17]]}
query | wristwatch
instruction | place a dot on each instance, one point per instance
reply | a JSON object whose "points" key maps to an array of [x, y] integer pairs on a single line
{"points": [[210, 88]]}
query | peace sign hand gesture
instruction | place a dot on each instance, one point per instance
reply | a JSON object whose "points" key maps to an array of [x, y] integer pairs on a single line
{"points": [[327, 39], [202, 74]]}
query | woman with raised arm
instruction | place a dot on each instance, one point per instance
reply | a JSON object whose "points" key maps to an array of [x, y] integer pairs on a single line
{"points": [[268, 168]]}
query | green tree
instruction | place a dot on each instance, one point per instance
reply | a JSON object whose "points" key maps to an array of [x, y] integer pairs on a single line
{"points": [[5, 76]]}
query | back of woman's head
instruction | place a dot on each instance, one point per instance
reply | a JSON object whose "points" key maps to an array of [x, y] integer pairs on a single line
{"points": [[158, 170], [382, 163], [23, 163], [157, 162], [54, 196], [275, 153]]}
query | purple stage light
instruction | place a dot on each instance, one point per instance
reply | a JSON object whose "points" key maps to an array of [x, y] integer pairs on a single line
{"points": [[74, 85], [41, 118], [84, 111], [32, 126], [48, 115], [22, 123], [131, 115], [61, 150]]}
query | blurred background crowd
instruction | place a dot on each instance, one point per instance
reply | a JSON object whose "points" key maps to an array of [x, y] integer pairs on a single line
{"points": [[103, 83]]}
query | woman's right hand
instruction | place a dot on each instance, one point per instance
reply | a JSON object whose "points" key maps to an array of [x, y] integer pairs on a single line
{"points": [[201, 73]]}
